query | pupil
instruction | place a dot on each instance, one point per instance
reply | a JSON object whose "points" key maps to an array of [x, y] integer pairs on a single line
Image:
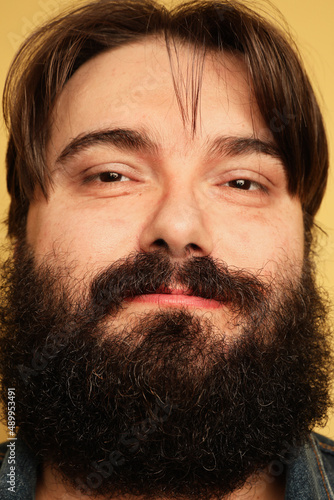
{"points": [[241, 184], [109, 176]]}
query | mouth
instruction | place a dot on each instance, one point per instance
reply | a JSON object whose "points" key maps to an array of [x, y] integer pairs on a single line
{"points": [[174, 297]]}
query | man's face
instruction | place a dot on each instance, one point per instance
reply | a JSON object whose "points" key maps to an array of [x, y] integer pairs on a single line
{"points": [[220, 192], [154, 238]]}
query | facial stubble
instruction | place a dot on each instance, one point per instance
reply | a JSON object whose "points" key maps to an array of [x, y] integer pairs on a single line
{"points": [[166, 405]]}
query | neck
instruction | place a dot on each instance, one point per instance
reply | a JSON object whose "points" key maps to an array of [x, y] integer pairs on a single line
{"points": [[264, 487]]}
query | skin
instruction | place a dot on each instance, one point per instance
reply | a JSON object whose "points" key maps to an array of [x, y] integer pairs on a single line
{"points": [[177, 198]]}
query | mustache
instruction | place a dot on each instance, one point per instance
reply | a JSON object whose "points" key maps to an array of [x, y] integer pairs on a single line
{"points": [[149, 273]]}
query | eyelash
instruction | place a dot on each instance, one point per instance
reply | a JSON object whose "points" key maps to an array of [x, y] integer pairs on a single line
{"points": [[256, 185], [111, 174]]}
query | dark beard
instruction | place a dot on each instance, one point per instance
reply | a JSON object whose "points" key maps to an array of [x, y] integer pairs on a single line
{"points": [[166, 406]]}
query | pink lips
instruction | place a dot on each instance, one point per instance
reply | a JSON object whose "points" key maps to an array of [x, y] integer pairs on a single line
{"points": [[175, 298]]}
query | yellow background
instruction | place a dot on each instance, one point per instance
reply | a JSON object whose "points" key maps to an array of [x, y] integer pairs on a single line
{"points": [[311, 24]]}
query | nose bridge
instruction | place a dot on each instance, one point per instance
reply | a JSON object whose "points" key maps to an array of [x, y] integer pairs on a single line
{"points": [[177, 222], [177, 212]]}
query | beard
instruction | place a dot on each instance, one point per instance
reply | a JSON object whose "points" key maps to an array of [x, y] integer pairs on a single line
{"points": [[167, 405]]}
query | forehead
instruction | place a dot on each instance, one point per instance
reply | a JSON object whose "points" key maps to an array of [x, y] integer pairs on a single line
{"points": [[143, 85]]}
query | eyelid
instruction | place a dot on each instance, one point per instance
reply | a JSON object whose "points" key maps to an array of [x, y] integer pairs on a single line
{"points": [[120, 168], [263, 170], [243, 174]]}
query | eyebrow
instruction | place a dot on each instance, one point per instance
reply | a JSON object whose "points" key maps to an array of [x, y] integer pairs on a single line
{"points": [[237, 146], [123, 139], [129, 140]]}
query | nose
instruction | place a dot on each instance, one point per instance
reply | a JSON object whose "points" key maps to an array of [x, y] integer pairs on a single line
{"points": [[178, 226]]}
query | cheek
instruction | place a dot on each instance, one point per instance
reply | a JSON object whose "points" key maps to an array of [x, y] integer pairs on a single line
{"points": [[81, 235], [256, 242], [41, 228]]}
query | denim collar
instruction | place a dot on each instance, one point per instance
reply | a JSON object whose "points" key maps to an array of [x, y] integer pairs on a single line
{"points": [[310, 476]]}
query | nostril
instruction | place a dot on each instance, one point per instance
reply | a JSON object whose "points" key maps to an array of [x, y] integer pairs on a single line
{"points": [[160, 243], [193, 246]]}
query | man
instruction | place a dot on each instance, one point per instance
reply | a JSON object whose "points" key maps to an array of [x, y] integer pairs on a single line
{"points": [[162, 333]]}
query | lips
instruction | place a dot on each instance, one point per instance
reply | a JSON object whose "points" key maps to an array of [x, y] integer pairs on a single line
{"points": [[175, 297]]}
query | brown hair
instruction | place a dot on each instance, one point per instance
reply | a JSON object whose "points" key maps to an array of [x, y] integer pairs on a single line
{"points": [[55, 51]]}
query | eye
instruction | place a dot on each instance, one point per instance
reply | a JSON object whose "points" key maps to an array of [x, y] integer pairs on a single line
{"points": [[245, 185], [111, 177], [106, 177]]}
